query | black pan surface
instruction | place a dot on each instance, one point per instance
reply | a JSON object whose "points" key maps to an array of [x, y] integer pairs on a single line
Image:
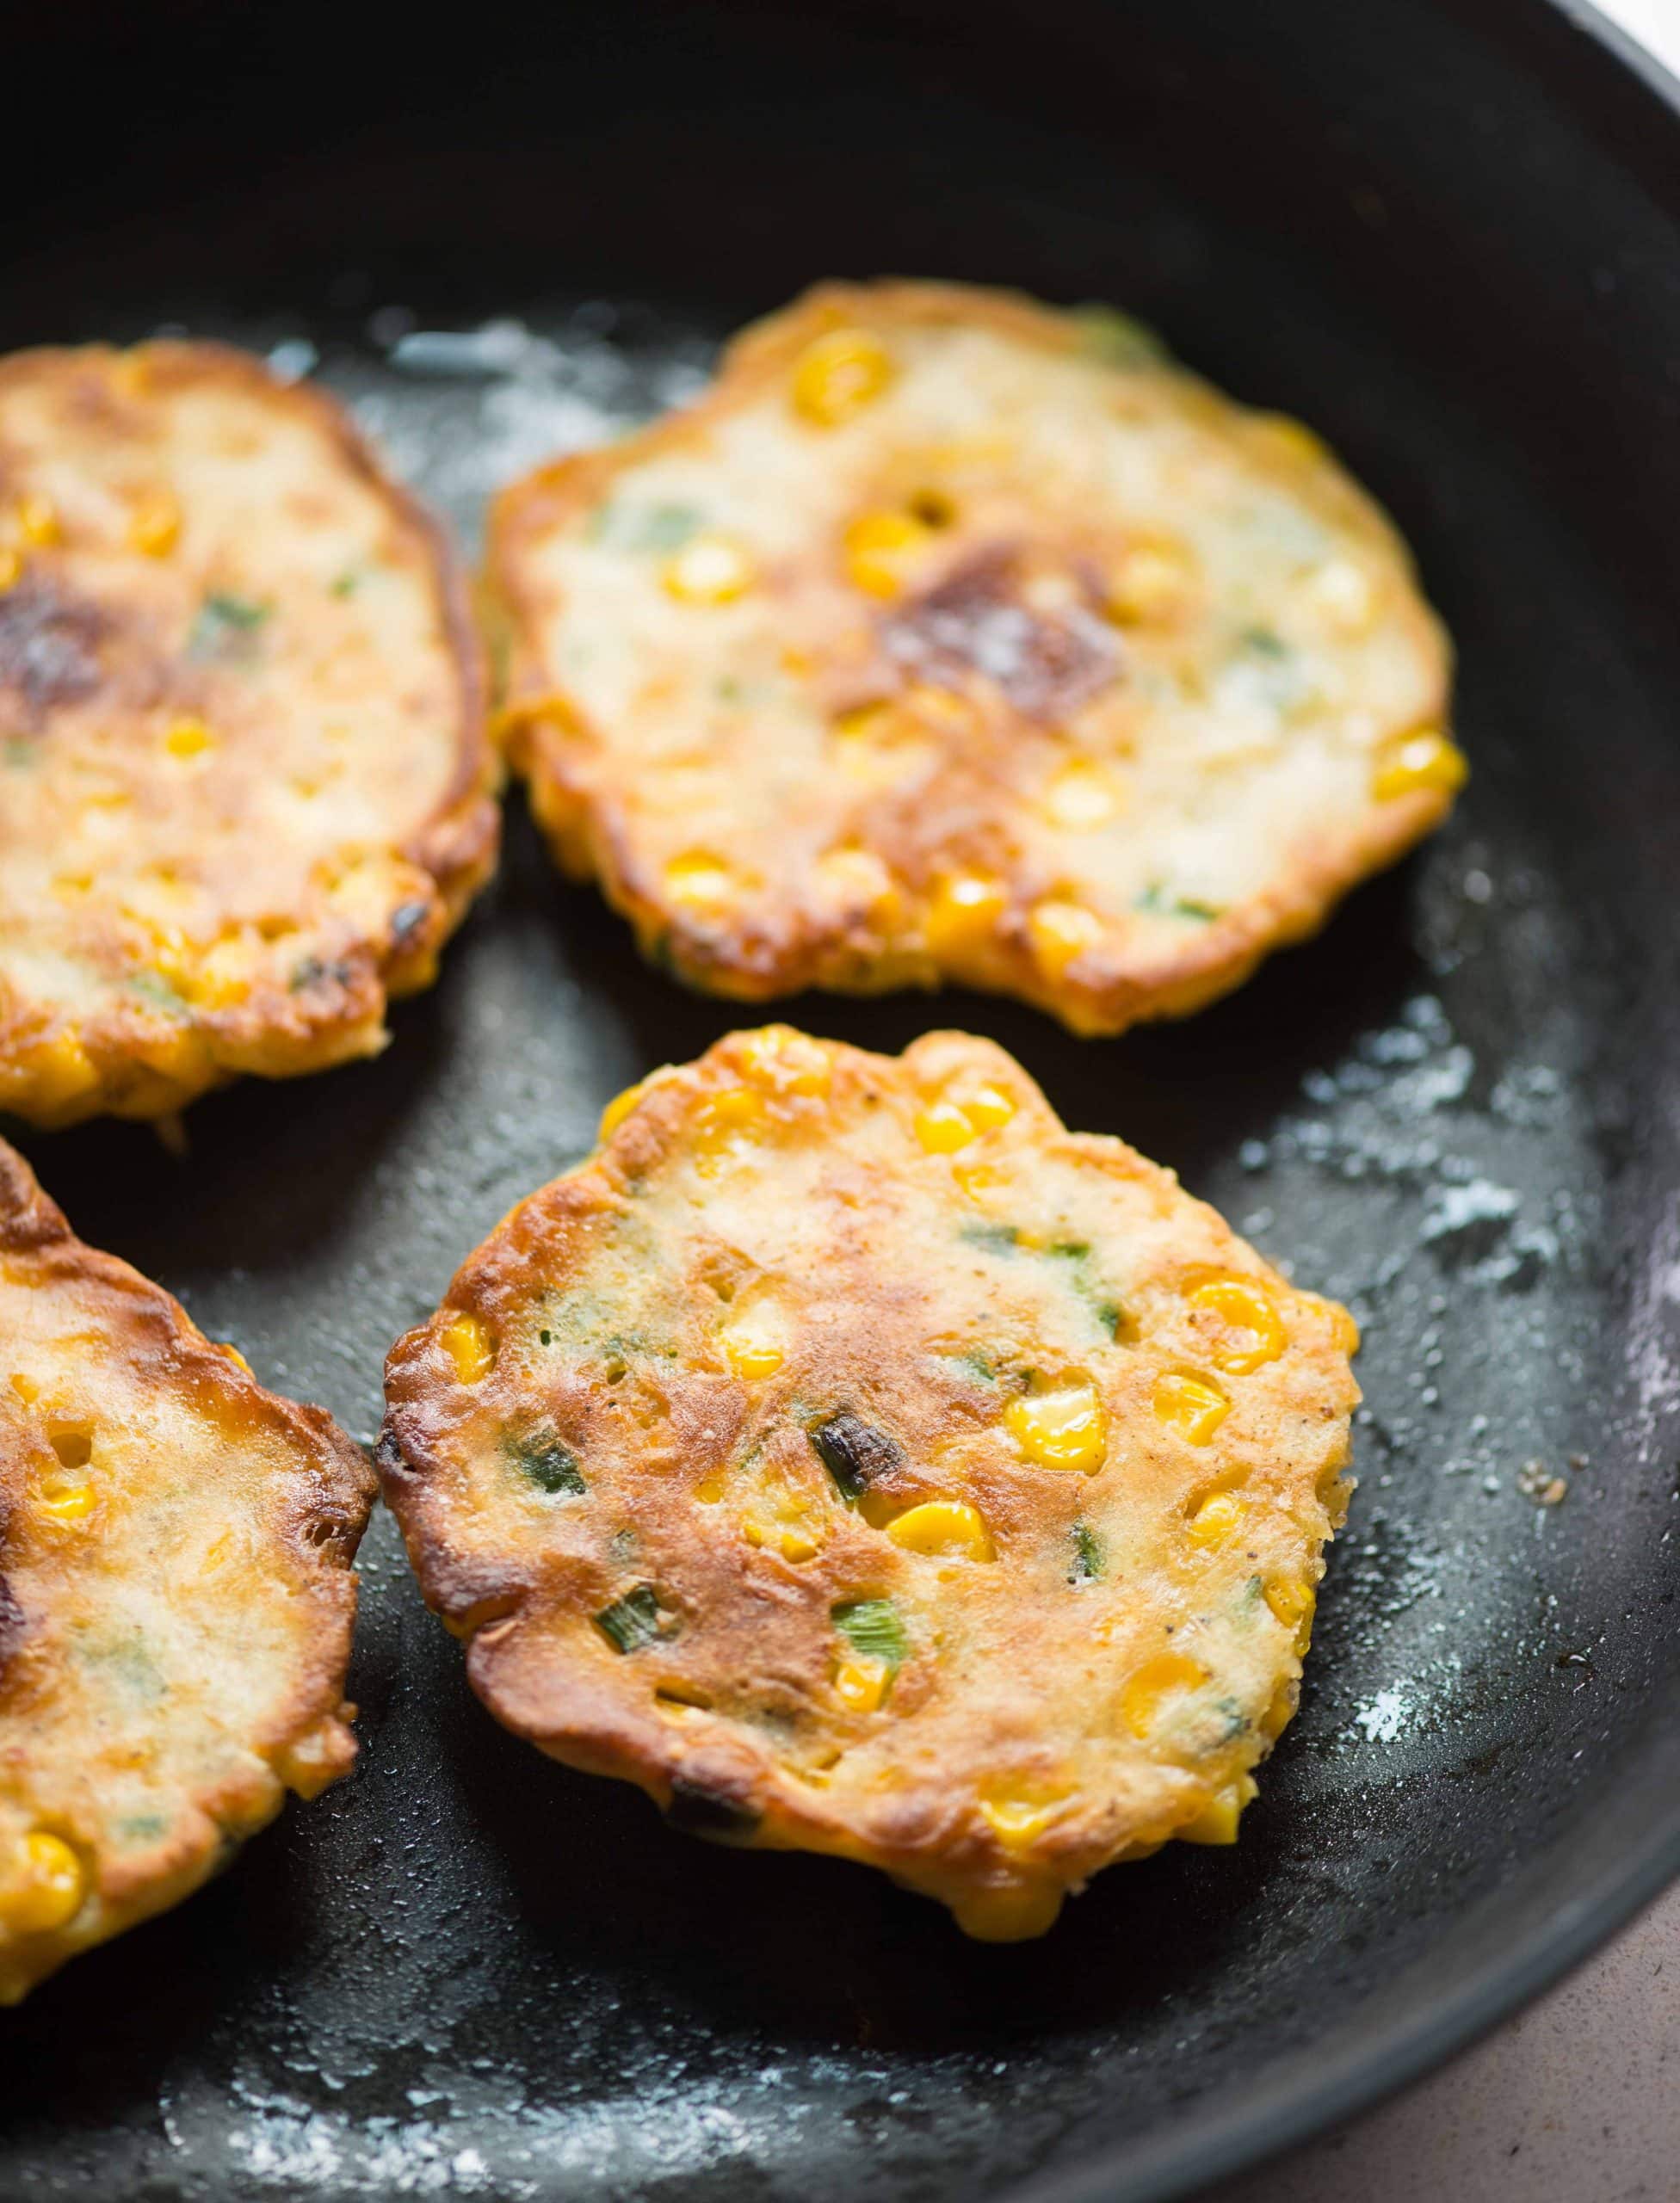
{"points": [[1448, 235]]}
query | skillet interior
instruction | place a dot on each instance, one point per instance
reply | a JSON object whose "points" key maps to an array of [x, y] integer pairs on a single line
{"points": [[1446, 235]]}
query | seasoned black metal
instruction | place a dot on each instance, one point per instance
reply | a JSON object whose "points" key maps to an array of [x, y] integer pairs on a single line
{"points": [[1448, 235]]}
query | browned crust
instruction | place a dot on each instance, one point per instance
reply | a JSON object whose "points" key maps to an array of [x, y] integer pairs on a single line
{"points": [[1103, 992], [498, 1602], [304, 1743], [455, 848]]}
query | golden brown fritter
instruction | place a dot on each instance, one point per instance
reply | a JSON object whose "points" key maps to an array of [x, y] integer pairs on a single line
{"points": [[953, 637], [245, 788], [861, 1462], [176, 1595]]}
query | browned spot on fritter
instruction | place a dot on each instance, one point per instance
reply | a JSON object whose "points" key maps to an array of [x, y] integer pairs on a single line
{"points": [[977, 622], [49, 648], [13, 1623]]}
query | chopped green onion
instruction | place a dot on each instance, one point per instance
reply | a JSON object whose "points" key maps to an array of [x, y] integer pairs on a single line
{"points": [[160, 993], [854, 1453], [635, 1621], [645, 527], [874, 1628], [1156, 900], [226, 626], [1118, 339], [972, 1365], [1111, 1316], [1088, 1559], [312, 971], [547, 1463], [995, 1239]]}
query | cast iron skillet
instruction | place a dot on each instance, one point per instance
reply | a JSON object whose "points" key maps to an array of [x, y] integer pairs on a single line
{"points": [[1447, 234]]}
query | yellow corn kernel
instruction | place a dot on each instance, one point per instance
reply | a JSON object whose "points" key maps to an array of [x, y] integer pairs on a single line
{"points": [[709, 569], [722, 1127], [368, 888], [1082, 796], [866, 723], [878, 744], [1342, 594], [698, 882], [1152, 582], [469, 1345], [735, 1110], [1426, 759], [11, 566], [750, 1357], [943, 1528], [44, 1886], [963, 911], [942, 1128], [1194, 1406], [947, 711], [794, 1540], [1061, 931], [1062, 1429], [188, 737], [38, 522], [861, 1684], [1167, 1675], [61, 1069], [223, 973], [711, 1488], [619, 1108], [786, 1062], [26, 1388], [1292, 438], [881, 548], [1010, 1915], [677, 1690], [839, 374], [1017, 1823], [1291, 1601], [1217, 1519], [1216, 1821], [858, 876], [234, 1355], [155, 529], [1281, 1711], [1343, 1328], [66, 1500], [988, 1107], [1255, 1332]]}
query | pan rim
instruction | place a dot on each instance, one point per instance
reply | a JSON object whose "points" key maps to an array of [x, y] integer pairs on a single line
{"points": [[1584, 1918], [1409, 2048]]}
